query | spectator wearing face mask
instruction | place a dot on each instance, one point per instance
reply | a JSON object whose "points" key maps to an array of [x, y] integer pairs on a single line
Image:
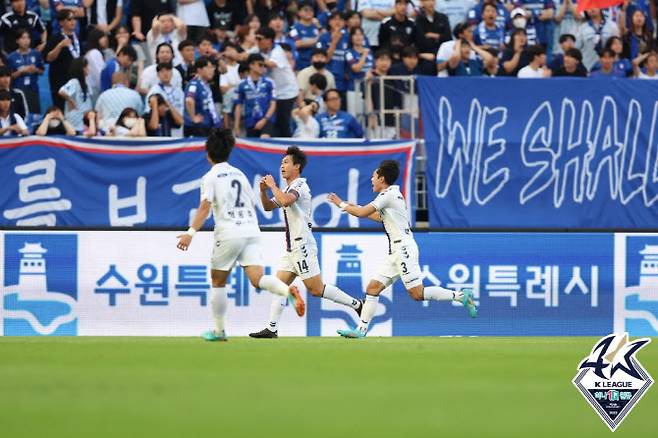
{"points": [[318, 66], [521, 20], [607, 70], [129, 124], [572, 65], [541, 12], [54, 123], [593, 34]]}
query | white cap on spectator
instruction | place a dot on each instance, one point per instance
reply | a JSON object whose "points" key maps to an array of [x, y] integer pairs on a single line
{"points": [[517, 11]]}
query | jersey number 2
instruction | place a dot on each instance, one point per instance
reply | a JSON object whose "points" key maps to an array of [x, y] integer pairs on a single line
{"points": [[238, 187]]}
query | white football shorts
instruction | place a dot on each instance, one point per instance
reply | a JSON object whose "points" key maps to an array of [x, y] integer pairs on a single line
{"points": [[245, 251], [401, 263], [302, 261]]}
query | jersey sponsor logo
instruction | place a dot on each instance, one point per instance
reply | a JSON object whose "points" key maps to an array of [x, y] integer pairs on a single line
{"points": [[611, 378]]}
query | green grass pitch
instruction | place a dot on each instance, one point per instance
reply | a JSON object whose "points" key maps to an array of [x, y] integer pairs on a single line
{"points": [[304, 387]]}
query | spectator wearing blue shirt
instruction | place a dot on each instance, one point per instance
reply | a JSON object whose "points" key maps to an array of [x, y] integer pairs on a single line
{"points": [[489, 33], [336, 42], [607, 70], [474, 16], [305, 34], [566, 41], [124, 60], [18, 18], [461, 63], [200, 112], [26, 66], [623, 66], [256, 94], [542, 11], [522, 20], [627, 10], [335, 123], [359, 61]]}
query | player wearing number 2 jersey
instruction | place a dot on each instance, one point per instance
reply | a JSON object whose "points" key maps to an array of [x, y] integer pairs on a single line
{"points": [[390, 208], [301, 256], [226, 190]]}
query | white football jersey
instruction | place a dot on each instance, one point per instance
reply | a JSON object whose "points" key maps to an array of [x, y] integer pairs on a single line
{"points": [[297, 216], [393, 208], [233, 200]]}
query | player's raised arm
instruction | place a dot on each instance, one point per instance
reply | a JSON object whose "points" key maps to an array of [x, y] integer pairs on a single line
{"points": [[368, 211], [283, 199], [268, 204]]}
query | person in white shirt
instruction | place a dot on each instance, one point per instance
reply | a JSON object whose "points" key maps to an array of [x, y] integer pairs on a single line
{"points": [[11, 124], [306, 125], [229, 80], [76, 94], [149, 77], [536, 68], [195, 16], [281, 72], [173, 96], [461, 31], [166, 28], [227, 192], [650, 60], [301, 256], [390, 208]]}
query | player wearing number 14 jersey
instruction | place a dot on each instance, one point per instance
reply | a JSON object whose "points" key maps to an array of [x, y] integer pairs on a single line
{"points": [[301, 256], [227, 191], [390, 208]]}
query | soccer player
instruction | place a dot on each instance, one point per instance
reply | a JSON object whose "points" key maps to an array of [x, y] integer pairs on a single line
{"points": [[227, 191], [301, 257], [390, 208]]}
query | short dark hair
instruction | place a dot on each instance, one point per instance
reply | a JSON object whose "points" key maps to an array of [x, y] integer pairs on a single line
{"points": [[574, 53], [255, 57], [607, 52], [390, 170], [325, 96], [220, 144], [205, 37], [5, 95], [298, 157], [202, 62], [319, 80], [409, 52], [266, 33], [566, 36], [18, 34], [4, 71], [129, 51], [460, 28], [243, 68], [185, 43], [487, 4], [381, 53], [318, 51], [64, 13], [536, 50], [164, 66]]}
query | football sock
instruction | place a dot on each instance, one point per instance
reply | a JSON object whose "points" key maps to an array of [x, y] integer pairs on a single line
{"points": [[368, 311], [274, 285], [332, 293], [438, 293], [218, 304], [276, 309]]}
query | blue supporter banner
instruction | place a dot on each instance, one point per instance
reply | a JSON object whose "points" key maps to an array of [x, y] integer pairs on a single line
{"points": [[80, 182], [525, 153]]}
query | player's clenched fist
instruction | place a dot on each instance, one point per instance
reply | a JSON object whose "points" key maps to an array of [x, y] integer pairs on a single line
{"points": [[269, 181]]}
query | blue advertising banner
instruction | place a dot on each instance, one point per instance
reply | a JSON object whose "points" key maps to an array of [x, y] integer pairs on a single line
{"points": [[155, 183], [523, 153], [529, 284]]}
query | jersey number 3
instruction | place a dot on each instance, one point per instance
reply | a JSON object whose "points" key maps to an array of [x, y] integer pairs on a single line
{"points": [[238, 188]]}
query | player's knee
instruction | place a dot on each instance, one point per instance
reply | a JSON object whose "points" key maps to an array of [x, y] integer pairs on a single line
{"points": [[372, 290]]}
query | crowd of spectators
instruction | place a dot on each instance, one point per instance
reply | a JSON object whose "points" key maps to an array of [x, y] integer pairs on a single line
{"points": [[282, 67]]}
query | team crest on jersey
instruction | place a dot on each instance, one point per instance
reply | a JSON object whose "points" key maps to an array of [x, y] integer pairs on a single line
{"points": [[611, 378]]}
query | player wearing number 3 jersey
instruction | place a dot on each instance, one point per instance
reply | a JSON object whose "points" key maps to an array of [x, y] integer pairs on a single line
{"points": [[301, 256], [226, 190], [390, 208]]}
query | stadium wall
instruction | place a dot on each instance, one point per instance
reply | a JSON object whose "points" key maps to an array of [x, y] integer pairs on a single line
{"points": [[136, 283]]}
